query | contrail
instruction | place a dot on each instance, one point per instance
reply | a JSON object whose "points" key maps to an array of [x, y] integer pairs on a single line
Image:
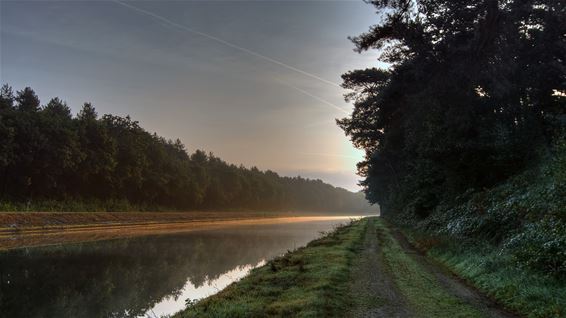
{"points": [[320, 99], [219, 40]]}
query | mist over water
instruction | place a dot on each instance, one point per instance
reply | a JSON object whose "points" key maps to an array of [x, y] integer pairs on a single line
{"points": [[143, 276]]}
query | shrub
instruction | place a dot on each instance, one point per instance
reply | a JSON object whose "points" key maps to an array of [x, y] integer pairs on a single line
{"points": [[542, 245]]}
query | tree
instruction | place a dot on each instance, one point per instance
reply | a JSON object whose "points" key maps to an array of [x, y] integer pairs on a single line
{"points": [[27, 100], [61, 153], [7, 154], [58, 109], [7, 98], [47, 154], [468, 92], [95, 177], [88, 113]]}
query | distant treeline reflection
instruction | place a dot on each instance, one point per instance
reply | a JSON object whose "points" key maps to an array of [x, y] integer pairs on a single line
{"points": [[127, 277], [49, 155]]}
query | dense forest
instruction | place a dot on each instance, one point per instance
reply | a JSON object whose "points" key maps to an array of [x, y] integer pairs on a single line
{"points": [[464, 133], [50, 159], [475, 93]]}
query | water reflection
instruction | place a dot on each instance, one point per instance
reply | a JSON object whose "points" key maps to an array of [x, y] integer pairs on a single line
{"points": [[172, 304], [151, 275]]}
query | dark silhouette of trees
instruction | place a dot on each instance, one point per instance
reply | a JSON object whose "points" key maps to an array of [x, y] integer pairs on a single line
{"points": [[46, 154], [475, 93]]}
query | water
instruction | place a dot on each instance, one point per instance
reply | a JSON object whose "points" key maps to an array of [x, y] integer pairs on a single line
{"points": [[149, 276]]}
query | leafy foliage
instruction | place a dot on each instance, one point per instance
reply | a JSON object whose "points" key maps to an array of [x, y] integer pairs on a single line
{"points": [[472, 87], [49, 156], [542, 245], [493, 271], [524, 216]]}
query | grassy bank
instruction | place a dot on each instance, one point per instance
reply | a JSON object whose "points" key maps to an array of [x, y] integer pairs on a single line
{"points": [[309, 282], [119, 206], [420, 288], [80, 206], [15, 221], [19, 230], [495, 272], [508, 241], [316, 281], [25, 220]]}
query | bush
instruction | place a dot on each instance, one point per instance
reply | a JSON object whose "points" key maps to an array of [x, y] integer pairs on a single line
{"points": [[542, 245], [525, 216]]}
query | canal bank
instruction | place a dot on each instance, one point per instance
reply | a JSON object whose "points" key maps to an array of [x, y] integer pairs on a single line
{"points": [[29, 229], [142, 276], [358, 270]]}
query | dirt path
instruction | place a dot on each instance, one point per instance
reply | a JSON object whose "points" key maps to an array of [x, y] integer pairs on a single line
{"points": [[373, 288], [376, 293], [453, 283]]}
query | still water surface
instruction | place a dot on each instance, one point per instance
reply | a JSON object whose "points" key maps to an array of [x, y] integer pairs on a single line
{"points": [[149, 276]]}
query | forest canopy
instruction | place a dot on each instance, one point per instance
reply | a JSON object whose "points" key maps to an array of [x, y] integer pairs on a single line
{"points": [[475, 93], [47, 154]]}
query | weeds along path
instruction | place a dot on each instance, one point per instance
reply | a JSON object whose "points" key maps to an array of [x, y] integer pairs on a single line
{"points": [[390, 279], [451, 283]]}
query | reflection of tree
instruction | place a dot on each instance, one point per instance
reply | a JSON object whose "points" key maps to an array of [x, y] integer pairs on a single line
{"points": [[127, 277]]}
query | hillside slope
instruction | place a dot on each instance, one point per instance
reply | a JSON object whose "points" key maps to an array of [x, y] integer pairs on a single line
{"points": [[509, 241]]}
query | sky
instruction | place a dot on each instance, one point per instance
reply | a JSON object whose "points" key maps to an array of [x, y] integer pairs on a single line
{"points": [[254, 82]]}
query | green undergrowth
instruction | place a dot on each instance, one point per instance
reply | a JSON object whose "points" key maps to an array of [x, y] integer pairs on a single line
{"points": [[509, 241], [524, 217], [494, 271], [419, 287], [311, 281]]}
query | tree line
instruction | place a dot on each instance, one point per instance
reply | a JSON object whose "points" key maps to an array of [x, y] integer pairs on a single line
{"points": [[475, 92], [47, 154]]}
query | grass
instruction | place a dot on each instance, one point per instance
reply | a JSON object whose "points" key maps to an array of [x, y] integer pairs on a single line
{"points": [[509, 241], [419, 287], [494, 271], [312, 281]]}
